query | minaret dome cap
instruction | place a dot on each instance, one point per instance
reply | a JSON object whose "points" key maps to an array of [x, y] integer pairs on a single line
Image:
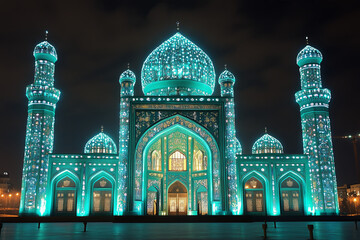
{"points": [[127, 75], [226, 76], [45, 51], [308, 55]]}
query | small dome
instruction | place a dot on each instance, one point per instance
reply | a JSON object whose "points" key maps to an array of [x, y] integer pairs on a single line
{"points": [[308, 55], [226, 76], [267, 144], [238, 148], [46, 51], [178, 67], [100, 143], [127, 75]]}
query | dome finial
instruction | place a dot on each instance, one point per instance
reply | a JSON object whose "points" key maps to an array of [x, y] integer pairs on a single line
{"points": [[307, 40], [46, 34], [177, 25], [225, 66], [265, 129], [128, 65], [102, 128]]}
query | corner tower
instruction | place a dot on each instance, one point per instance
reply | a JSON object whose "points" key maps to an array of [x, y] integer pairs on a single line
{"points": [[42, 96], [314, 109], [127, 81], [233, 146]]}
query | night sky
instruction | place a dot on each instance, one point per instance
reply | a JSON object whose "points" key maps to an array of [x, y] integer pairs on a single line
{"points": [[258, 40]]}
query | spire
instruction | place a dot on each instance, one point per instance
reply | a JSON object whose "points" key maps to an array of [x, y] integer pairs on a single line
{"points": [[225, 66], [102, 128], [46, 34], [307, 40], [128, 65], [177, 25], [265, 129]]}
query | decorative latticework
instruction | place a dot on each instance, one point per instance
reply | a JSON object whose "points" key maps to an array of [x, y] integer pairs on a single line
{"points": [[101, 143], [267, 144], [42, 96], [178, 67], [314, 109]]}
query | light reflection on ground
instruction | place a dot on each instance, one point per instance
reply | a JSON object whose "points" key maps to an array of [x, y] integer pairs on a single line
{"points": [[172, 231]]}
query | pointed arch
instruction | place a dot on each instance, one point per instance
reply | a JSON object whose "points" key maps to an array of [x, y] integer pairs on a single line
{"points": [[177, 195], [201, 188], [99, 175], [293, 174], [249, 198], [163, 127], [174, 181], [109, 195], [291, 199], [255, 174], [56, 179]]}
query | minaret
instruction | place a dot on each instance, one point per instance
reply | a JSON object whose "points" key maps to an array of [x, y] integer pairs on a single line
{"points": [[127, 81], [314, 109], [232, 145], [39, 130]]}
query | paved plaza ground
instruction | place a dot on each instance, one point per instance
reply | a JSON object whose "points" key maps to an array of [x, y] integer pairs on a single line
{"points": [[172, 231]]}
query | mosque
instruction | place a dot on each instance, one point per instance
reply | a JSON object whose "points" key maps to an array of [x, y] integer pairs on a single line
{"points": [[177, 152]]}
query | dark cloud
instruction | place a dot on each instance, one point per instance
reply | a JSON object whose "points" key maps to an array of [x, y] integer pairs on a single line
{"points": [[258, 40]]}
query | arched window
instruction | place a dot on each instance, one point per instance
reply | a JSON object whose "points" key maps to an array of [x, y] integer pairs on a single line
{"points": [[177, 161], [290, 194], [102, 197], [254, 196], [65, 197], [155, 161], [199, 161]]}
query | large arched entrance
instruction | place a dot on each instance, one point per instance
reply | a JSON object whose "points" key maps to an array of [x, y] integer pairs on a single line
{"points": [[177, 199], [176, 150]]}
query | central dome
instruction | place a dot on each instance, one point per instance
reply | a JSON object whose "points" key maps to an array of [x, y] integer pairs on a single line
{"points": [[178, 67]]}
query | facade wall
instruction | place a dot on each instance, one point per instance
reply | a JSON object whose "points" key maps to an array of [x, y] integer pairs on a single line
{"points": [[271, 170], [84, 170]]}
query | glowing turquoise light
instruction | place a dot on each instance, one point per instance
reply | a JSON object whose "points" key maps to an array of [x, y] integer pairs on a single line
{"points": [[238, 147], [42, 96], [185, 141], [309, 54], [317, 141], [128, 75], [45, 50], [226, 76], [267, 144], [101, 143], [183, 66]]}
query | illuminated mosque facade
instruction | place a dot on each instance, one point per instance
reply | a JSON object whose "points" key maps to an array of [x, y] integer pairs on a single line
{"points": [[177, 152]]}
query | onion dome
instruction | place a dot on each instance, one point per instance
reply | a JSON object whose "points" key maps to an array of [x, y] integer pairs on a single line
{"points": [[226, 76], [127, 75], [100, 143], [267, 144], [238, 148], [308, 55], [178, 67], [45, 51]]}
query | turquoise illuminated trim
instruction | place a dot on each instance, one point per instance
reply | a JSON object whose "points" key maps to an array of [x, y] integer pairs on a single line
{"points": [[183, 83]]}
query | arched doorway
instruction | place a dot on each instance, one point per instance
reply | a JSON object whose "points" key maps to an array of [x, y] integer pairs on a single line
{"points": [[202, 201], [158, 169], [102, 197], [153, 200], [177, 199], [254, 196], [290, 195], [65, 197]]}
